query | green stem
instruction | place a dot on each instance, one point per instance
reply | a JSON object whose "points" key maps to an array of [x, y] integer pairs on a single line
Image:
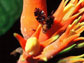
{"points": [[67, 49]]}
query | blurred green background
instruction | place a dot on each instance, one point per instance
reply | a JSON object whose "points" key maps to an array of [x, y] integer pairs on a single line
{"points": [[10, 11]]}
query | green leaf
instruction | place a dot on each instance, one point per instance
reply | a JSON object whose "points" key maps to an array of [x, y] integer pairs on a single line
{"points": [[10, 11]]}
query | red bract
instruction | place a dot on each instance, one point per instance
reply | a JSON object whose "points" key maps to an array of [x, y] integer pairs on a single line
{"points": [[66, 29]]}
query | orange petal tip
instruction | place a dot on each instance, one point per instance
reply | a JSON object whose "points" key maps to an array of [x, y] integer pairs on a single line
{"points": [[14, 34]]}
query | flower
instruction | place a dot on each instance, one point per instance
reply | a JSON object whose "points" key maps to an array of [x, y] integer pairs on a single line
{"points": [[72, 59], [64, 31]]}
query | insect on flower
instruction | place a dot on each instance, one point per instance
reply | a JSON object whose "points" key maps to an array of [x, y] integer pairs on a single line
{"points": [[46, 22], [63, 29]]}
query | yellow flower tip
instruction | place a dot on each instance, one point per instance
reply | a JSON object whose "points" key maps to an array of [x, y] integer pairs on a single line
{"points": [[80, 1], [73, 1], [76, 21], [22, 58], [81, 56], [69, 26], [81, 10], [55, 37], [82, 23], [78, 34], [14, 34], [66, 2], [73, 31], [44, 59], [79, 18], [68, 7], [32, 46]]}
